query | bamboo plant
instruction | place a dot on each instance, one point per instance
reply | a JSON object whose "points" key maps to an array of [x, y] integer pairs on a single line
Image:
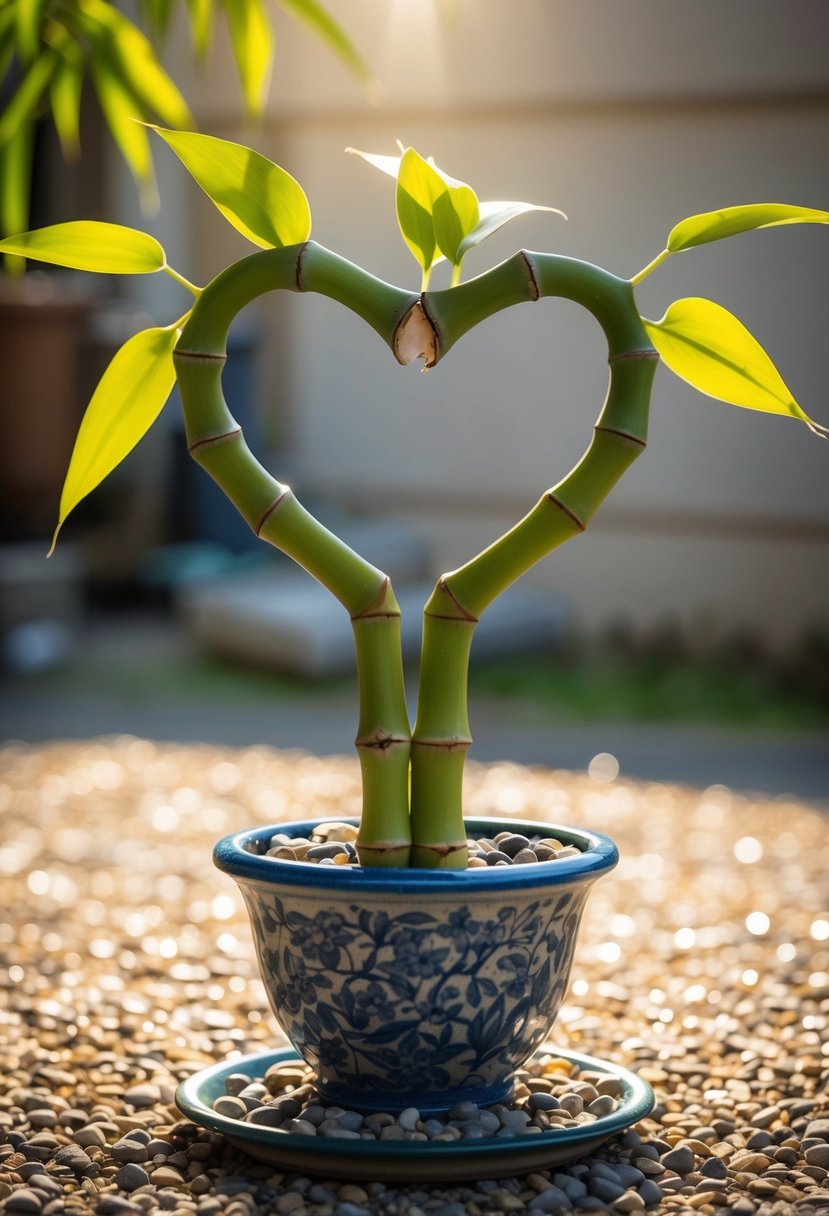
{"points": [[412, 779]]}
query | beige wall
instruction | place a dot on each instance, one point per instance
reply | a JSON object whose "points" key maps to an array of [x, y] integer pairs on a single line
{"points": [[629, 115]]}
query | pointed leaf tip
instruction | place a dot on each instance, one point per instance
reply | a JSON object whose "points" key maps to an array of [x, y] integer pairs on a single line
{"points": [[256, 196], [730, 221], [708, 347], [130, 395], [90, 245]]}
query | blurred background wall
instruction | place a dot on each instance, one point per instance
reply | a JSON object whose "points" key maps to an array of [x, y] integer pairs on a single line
{"points": [[628, 116]]}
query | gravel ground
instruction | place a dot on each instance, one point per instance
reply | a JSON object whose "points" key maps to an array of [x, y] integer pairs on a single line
{"points": [[126, 964]]}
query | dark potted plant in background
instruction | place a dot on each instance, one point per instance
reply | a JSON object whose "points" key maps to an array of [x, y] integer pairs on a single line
{"points": [[430, 970]]}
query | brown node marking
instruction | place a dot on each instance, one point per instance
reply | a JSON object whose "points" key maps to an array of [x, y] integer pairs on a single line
{"points": [[450, 745], [536, 291], [373, 611], [275, 505], [197, 356], [580, 524], [298, 269], [381, 740], [212, 439], [463, 616], [612, 430], [628, 356]]}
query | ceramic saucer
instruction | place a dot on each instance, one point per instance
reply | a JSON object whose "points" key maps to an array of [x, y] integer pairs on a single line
{"points": [[405, 1161]]}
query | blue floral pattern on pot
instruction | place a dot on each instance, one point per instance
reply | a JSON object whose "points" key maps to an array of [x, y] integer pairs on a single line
{"points": [[409, 996]]}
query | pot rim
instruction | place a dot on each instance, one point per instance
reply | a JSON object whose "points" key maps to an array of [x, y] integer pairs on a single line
{"points": [[599, 856]]}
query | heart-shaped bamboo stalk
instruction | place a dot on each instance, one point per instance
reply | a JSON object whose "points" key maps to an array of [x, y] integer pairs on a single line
{"points": [[430, 817]]}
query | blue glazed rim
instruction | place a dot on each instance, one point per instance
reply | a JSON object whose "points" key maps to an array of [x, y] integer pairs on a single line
{"points": [[599, 855], [195, 1096]]}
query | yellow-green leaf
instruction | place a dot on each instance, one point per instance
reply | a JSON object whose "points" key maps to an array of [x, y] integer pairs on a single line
{"points": [[262, 201], [322, 24], [494, 215], [28, 18], [418, 185], [201, 25], [455, 214], [705, 345], [729, 221], [131, 57], [252, 40], [21, 108], [16, 176], [386, 164], [90, 245], [65, 97], [121, 109], [129, 397]]}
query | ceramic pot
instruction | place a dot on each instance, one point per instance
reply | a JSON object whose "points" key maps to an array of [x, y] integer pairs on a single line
{"points": [[415, 987]]}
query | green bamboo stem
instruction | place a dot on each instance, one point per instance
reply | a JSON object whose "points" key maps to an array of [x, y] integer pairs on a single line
{"points": [[216, 442], [441, 736]]}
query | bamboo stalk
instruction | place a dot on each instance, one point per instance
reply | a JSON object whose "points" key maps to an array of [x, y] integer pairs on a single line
{"points": [[216, 442], [441, 736]]}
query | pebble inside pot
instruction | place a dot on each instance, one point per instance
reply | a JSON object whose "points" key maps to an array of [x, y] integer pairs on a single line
{"points": [[413, 987], [409, 972]]}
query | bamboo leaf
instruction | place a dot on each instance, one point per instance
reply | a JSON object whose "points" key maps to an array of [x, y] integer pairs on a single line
{"points": [[121, 110], [386, 164], [16, 176], [27, 97], [90, 245], [129, 397], [455, 214], [28, 15], [327, 30], [494, 215], [158, 14], [65, 92], [418, 185], [131, 57], [705, 345], [201, 14], [259, 199], [252, 40], [729, 221]]}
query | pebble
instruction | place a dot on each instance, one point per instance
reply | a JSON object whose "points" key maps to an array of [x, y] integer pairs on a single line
{"points": [[131, 1176], [680, 1160], [98, 1026]]}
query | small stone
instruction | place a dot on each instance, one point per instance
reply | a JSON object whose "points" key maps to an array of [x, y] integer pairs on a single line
{"points": [[350, 1192], [680, 1160], [631, 1201], [818, 1155], [409, 1118], [605, 1190], [543, 1101], [236, 1082], [817, 1129], [514, 843], [131, 1176], [129, 1150], [496, 857], [651, 1192], [91, 1136], [602, 1106], [553, 1199], [165, 1175], [23, 1201], [265, 1116], [142, 1096], [713, 1167], [765, 1117]]}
